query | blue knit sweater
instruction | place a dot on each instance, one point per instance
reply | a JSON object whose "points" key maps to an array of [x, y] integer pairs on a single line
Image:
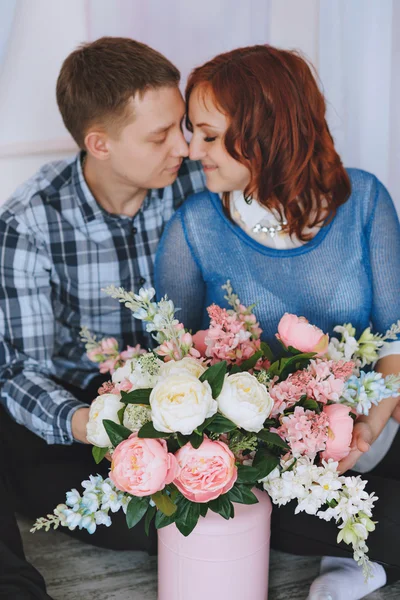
{"points": [[349, 272]]}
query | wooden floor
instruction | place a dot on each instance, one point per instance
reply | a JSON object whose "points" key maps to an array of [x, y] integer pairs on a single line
{"points": [[76, 571]]}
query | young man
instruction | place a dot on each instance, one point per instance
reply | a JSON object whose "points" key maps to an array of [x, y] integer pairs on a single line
{"points": [[71, 230]]}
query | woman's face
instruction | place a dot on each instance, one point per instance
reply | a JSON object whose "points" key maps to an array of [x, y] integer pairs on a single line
{"points": [[223, 173]]}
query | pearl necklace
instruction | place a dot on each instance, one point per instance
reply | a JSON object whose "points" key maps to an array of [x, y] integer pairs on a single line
{"points": [[255, 217]]}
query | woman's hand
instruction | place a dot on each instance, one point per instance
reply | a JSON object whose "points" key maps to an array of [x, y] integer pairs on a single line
{"points": [[360, 443], [396, 413]]}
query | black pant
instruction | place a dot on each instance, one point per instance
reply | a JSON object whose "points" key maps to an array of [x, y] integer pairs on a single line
{"points": [[307, 535], [40, 474], [18, 579]]}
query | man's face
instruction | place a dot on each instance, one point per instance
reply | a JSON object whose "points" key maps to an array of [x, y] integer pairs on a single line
{"points": [[149, 150]]}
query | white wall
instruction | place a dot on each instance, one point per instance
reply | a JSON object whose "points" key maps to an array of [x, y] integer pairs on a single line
{"points": [[45, 31]]}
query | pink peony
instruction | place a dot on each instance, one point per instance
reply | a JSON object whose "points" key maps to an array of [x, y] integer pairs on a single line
{"points": [[207, 472], [339, 433], [300, 334], [142, 467]]}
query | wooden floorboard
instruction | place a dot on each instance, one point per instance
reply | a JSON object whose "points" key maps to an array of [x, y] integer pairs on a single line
{"points": [[76, 571]]}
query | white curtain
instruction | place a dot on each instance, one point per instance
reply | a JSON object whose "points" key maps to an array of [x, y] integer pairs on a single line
{"points": [[188, 33], [359, 65]]}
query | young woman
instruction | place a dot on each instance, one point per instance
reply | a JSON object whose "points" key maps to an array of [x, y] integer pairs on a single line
{"points": [[294, 232]]}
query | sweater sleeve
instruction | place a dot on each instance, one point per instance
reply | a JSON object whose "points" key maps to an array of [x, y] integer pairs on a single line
{"points": [[178, 274], [383, 234]]}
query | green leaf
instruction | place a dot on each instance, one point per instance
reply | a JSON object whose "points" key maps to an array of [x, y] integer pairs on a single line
{"points": [[164, 503], [265, 462], [242, 494], [277, 366], [206, 423], [136, 396], [148, 518], [294, 363], [272, 438], [215, 376], [99, 453], [148, 431], [120, 414], [196, 440], [117, 433], [309, 404], [266, 351], [203, 509], [221, 424], [189, 513], [162, 520], [182, 439], [247, 364], [136, 509], [222, 506], [247, 474], [294, 350]]}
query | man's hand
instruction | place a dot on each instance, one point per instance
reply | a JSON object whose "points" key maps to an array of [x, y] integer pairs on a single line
{"points": [[79, 421], [360, 443]]}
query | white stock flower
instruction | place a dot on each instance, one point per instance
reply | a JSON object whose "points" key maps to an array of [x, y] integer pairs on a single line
{"points": [[135, 416], [186, 364], [245, 401], [105, 406], [181, 403], [145, 371]]}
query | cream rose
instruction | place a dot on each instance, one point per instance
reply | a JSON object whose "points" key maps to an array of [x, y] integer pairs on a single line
{"points": [[124, 372], [181, 402], [245, 401], [105, 406], [188, 364]]}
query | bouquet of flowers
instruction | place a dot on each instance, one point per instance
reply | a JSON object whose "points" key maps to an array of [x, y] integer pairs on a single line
{"points": [[197, 423]]}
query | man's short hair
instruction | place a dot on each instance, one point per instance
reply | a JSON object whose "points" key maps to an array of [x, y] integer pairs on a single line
{"points": [[97, 80]]}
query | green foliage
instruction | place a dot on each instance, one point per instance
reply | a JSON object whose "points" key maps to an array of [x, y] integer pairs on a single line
{"points": [[215, 376], [140, 396], [99, 453], [137, 507], [117, 433]]}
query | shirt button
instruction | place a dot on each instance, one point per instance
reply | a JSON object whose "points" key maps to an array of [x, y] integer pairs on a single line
{"points": [[134, 230], [142, 281], [66, 438]]}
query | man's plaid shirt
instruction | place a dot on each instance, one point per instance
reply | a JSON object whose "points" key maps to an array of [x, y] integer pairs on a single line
{"points": [[58, 249]]}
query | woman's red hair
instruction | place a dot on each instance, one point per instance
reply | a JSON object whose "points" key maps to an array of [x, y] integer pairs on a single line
{"points": [[277, 128]]}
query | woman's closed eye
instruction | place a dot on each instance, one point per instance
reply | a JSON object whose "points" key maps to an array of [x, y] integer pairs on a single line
{"points": [[210, 139]]}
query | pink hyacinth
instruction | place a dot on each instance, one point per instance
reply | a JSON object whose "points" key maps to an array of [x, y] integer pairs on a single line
{"points": [[232, 336], [305, 431], [285, 394]]}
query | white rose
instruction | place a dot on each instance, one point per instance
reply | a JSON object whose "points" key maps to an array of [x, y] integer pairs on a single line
{"points": [[124, 372], [188, 364], [245, 401], [145, 372], [181, 402], [105, 406]]}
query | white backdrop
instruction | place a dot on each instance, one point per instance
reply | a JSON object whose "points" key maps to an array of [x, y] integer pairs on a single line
{"points": [[355, 45]]}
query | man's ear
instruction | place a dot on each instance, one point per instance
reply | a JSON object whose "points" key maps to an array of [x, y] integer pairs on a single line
{"points": [[96, 143]]}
